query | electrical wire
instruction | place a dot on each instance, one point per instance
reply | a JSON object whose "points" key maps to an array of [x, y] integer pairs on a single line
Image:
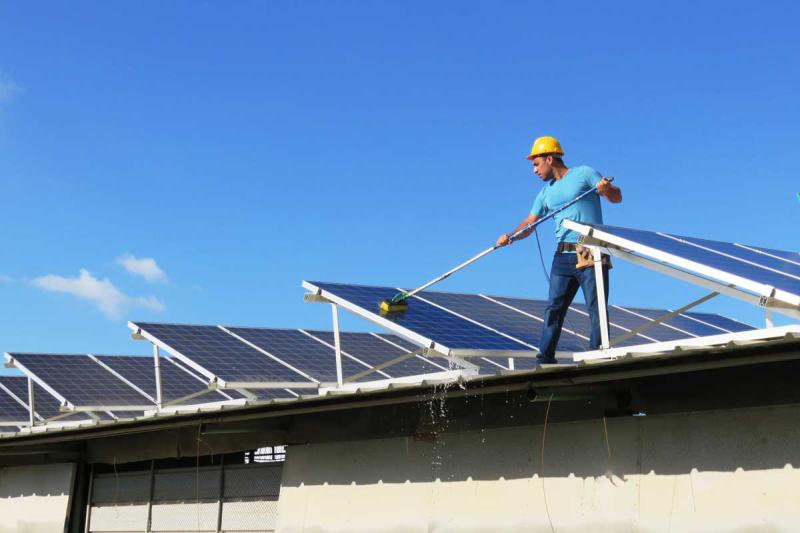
{"points": [[541, 472]]}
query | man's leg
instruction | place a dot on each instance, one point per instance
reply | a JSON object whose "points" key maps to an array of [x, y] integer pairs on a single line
{"points": [[562, 291], [589, 289]]}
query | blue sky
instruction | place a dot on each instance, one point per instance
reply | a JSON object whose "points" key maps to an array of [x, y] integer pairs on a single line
{"points": [[244, 147]]}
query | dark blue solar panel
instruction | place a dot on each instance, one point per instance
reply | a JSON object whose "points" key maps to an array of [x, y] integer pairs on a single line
{"points": [[437, 362], [275, 394], [793, 257], [175, 382], [707, 258], [300, 351], [46, 405], [10, 409], [80, 380], [492, 312], [577, 321], [724, 323], [221, 353], [745, 254], [374, 351], [691, 327], [424, 319]]}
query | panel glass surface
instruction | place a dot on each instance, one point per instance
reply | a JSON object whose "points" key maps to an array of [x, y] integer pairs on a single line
{"points": [[631, 318], [424, 319], [300, 351], [80, 380], [494, 312], [793, 257], [46, 405], [711, 259], [374, 351], [696, 324], [175, 382], [745, 254], [10, 409], [721, 322], [221, 354], [493, 315]]}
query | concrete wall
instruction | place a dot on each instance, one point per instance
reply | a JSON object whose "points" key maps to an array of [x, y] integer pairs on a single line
{"points": [[732, 470], [35, 498]]}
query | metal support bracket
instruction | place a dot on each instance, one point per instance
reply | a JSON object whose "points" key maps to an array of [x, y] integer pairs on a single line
{"points": [[31, 403], [663, 318], [337, 343], [601, 297], [157, 368], [315, 298]]}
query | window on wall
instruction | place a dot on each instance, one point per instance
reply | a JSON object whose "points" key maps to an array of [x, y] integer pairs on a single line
{"points": [[237, 492]]}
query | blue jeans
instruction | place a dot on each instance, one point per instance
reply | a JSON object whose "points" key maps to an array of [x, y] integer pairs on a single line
{"points": [[564, 282]]}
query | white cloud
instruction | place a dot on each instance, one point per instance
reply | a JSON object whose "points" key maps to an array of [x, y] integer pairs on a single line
{"points": [[145, 267], [108, 298], [5, 279]]}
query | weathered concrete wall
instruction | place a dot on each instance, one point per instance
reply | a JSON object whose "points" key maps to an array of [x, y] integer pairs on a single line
{"points": [[35, 499], [733, 470]]}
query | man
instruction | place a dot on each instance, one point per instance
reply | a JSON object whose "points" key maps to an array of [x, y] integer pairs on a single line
{"points": [[571, 264]]}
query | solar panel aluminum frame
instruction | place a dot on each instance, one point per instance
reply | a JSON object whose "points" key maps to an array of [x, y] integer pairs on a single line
{"points": [[68, 407], [216, 382], [752, 292], [696, 342], [381, 384], [200, 407], [432, 347]]}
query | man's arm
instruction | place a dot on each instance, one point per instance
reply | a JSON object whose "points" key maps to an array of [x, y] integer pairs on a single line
{"points": [[610, 192], [503, 239]]}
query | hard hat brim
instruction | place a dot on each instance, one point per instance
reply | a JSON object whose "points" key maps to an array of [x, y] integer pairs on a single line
{"points": [[534, 156]]}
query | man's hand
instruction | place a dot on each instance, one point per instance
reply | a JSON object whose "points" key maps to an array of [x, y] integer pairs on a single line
{"points": [[603, 186], [611, 192], [502, 240]]}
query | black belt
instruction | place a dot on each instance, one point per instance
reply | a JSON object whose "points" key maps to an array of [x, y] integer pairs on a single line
{"points": [[565, 247]]}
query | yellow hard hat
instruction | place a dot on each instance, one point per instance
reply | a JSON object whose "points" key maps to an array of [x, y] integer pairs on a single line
{"points": [[545, 145]]}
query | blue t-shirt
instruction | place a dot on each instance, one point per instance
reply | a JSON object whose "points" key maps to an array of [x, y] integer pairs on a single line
{"points": [[559, 192]]}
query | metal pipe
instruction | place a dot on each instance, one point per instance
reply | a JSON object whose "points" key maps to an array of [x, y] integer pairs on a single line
{"points": [[337, 343], [31, 403], [601, 297], [157, 366]]}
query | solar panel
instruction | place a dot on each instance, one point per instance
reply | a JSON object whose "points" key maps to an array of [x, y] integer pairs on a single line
{"points": [[758, 275], [79, 380], [47, 406], [375, 350], [487, 365], [176, 383], [11, 410], [425, 324], [219, 354], [310, 355], [516, 320], [301, 351]]}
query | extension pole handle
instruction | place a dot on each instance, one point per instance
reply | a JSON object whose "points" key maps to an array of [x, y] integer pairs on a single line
{"points": [[495, 247], [449, 272]]}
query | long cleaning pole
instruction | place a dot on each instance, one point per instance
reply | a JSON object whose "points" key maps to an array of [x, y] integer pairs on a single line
{"points": [[400, 296]]}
